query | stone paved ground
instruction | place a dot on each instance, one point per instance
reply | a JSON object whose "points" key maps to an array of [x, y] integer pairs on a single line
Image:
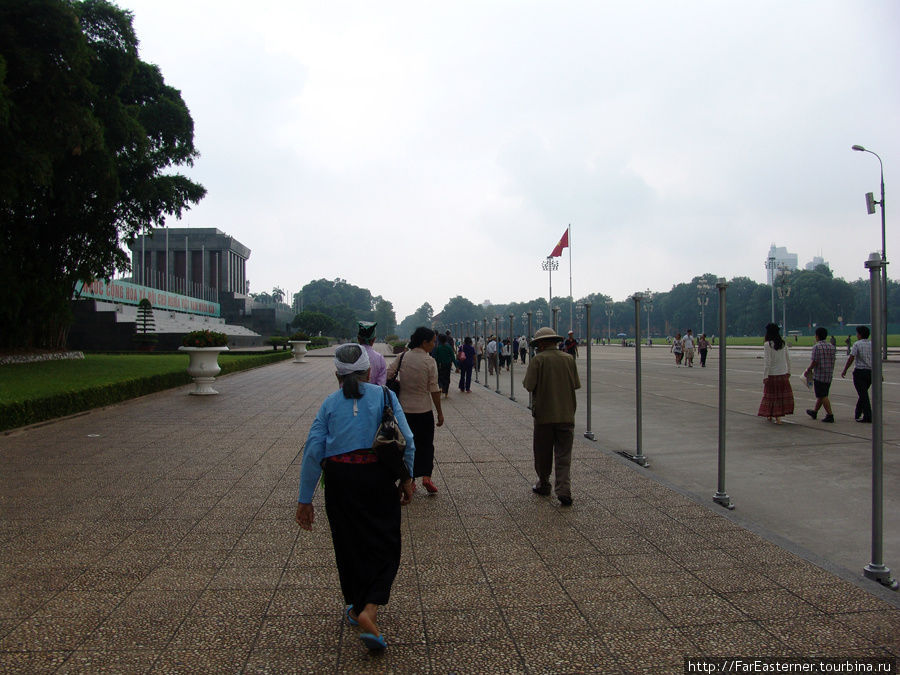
{"points": [[158, 536]]}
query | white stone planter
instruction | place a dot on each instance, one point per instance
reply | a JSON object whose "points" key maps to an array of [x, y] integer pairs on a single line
{"points": [[298, 347], [203, 367]]}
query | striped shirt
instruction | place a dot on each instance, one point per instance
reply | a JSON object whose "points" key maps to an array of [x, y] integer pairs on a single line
{"points": [[823, 361], [862, 355]]}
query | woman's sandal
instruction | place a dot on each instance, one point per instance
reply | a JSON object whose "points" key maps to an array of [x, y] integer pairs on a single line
{"points": [[350, 619], [372, 641]]}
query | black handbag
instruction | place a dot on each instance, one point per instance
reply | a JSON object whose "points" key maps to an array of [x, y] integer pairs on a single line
{"points": [[394, 384], [390, 444]]}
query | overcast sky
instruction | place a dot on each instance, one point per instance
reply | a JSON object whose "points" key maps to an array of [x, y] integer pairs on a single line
{"points": [[425, 150]]}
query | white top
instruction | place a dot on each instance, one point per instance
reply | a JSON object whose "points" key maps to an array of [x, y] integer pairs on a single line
{"points": [[778, 361], [688, 341]]}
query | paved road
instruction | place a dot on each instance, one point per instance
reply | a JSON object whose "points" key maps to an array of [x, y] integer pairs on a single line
{"points": [[805, 481], [157, 536]]}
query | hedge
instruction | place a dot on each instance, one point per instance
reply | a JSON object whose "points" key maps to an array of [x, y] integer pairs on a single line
{"points": [[23, 413]]}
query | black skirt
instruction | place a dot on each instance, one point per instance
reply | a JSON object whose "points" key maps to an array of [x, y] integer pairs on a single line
{"points": [[363, 508]]}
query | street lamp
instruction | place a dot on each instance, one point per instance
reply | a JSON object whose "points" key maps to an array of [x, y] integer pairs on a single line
{"points": [[784, 290], [770, 265], [870, 205], [539, 315], [648, 307], [703, 301], [524, 323], [579, 313], [549, 264], [609, 312]]}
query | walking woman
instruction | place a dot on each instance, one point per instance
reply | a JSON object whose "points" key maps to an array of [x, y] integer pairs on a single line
{"points": [[361, 499], [466, 361], [778, 397], [419, 390], [677, 349], [444, 357], [703, 348]]}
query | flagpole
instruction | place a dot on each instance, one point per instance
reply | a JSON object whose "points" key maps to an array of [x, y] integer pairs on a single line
{"points": [[571, 297]]}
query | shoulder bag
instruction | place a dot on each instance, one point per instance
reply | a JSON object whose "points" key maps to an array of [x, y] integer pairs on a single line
{"points": [[389, 442], [394, 384]]}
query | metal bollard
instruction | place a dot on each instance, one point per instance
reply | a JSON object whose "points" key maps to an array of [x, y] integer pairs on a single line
{"points": [[530, 356], [876, 569], [639, 458], [721, 497], [587, 331], [512, 394]]}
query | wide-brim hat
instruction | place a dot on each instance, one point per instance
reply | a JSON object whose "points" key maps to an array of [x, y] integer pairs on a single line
{"points": [[546, 333]]}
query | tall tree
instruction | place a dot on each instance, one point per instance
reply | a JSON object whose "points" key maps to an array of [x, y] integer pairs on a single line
{"points": [[88, 135]]}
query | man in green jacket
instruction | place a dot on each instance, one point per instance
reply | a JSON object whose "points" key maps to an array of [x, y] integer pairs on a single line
{"points": [[552, 378]]}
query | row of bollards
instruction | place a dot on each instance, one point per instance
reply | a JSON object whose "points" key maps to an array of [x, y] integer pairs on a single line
{"points": [[876, 569]]}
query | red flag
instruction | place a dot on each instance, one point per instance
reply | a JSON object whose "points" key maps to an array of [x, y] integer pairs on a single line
{"points": [[563, 243]]}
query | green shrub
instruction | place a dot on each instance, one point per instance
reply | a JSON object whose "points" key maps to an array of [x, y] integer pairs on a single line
{"points": [[300, 335], [204, 338], [317, 342]]}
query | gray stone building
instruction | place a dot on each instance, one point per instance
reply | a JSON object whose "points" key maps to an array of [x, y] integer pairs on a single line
{"points": [[201, 262]]}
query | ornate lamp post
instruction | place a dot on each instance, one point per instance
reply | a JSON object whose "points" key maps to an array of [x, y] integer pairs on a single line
{"points": [[609, 312], [870, 205], [549, 264], [579, 312], [770, 265], [784, 290], [648, 307], [539, 315], [703, 301]]}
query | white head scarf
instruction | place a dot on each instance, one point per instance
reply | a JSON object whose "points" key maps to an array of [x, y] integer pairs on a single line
{"points": [[344, 366]]}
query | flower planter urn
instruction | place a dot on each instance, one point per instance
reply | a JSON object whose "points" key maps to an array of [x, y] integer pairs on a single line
{"points": [[203, 367], [299, 349]]}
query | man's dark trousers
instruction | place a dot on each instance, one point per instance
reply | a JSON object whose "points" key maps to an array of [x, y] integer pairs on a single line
{"points": [[862, 380], [554, 441]]}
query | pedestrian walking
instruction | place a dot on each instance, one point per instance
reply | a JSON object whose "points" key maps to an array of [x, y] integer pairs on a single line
{"points": [[444, 356], [523, 348], [419, 391], [491, 352], [571, 345], [688, 343], [703, 348], [377, 366], [552, 379], [677, 349], [466, 358], [778, 397], [861, 357], [361, 498], [821, 367], [506, 354]]}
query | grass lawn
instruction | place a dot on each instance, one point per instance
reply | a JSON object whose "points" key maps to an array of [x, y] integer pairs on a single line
{"points": [[33, 392]]}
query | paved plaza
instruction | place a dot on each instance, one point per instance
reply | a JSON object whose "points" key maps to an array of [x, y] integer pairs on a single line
{"points": [[158, 536]]}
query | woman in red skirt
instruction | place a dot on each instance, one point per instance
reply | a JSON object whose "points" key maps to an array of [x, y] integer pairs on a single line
{"points": [[778, 397]]}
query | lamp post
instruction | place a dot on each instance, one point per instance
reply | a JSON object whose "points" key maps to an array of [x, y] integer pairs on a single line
{"points": [[784, 290], [579, 312], [556, 319], [648, 307], [548, 265], [703, 301], [770, 265], [870, 204], [524, 322], [539, 315], [609, 312]]}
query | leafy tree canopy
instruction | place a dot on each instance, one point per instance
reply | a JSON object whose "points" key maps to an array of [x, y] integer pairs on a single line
{"points": [[88, 135]]}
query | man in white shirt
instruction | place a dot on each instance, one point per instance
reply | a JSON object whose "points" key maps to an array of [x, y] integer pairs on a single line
{"points": [[491, 352], [689, 348]]}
